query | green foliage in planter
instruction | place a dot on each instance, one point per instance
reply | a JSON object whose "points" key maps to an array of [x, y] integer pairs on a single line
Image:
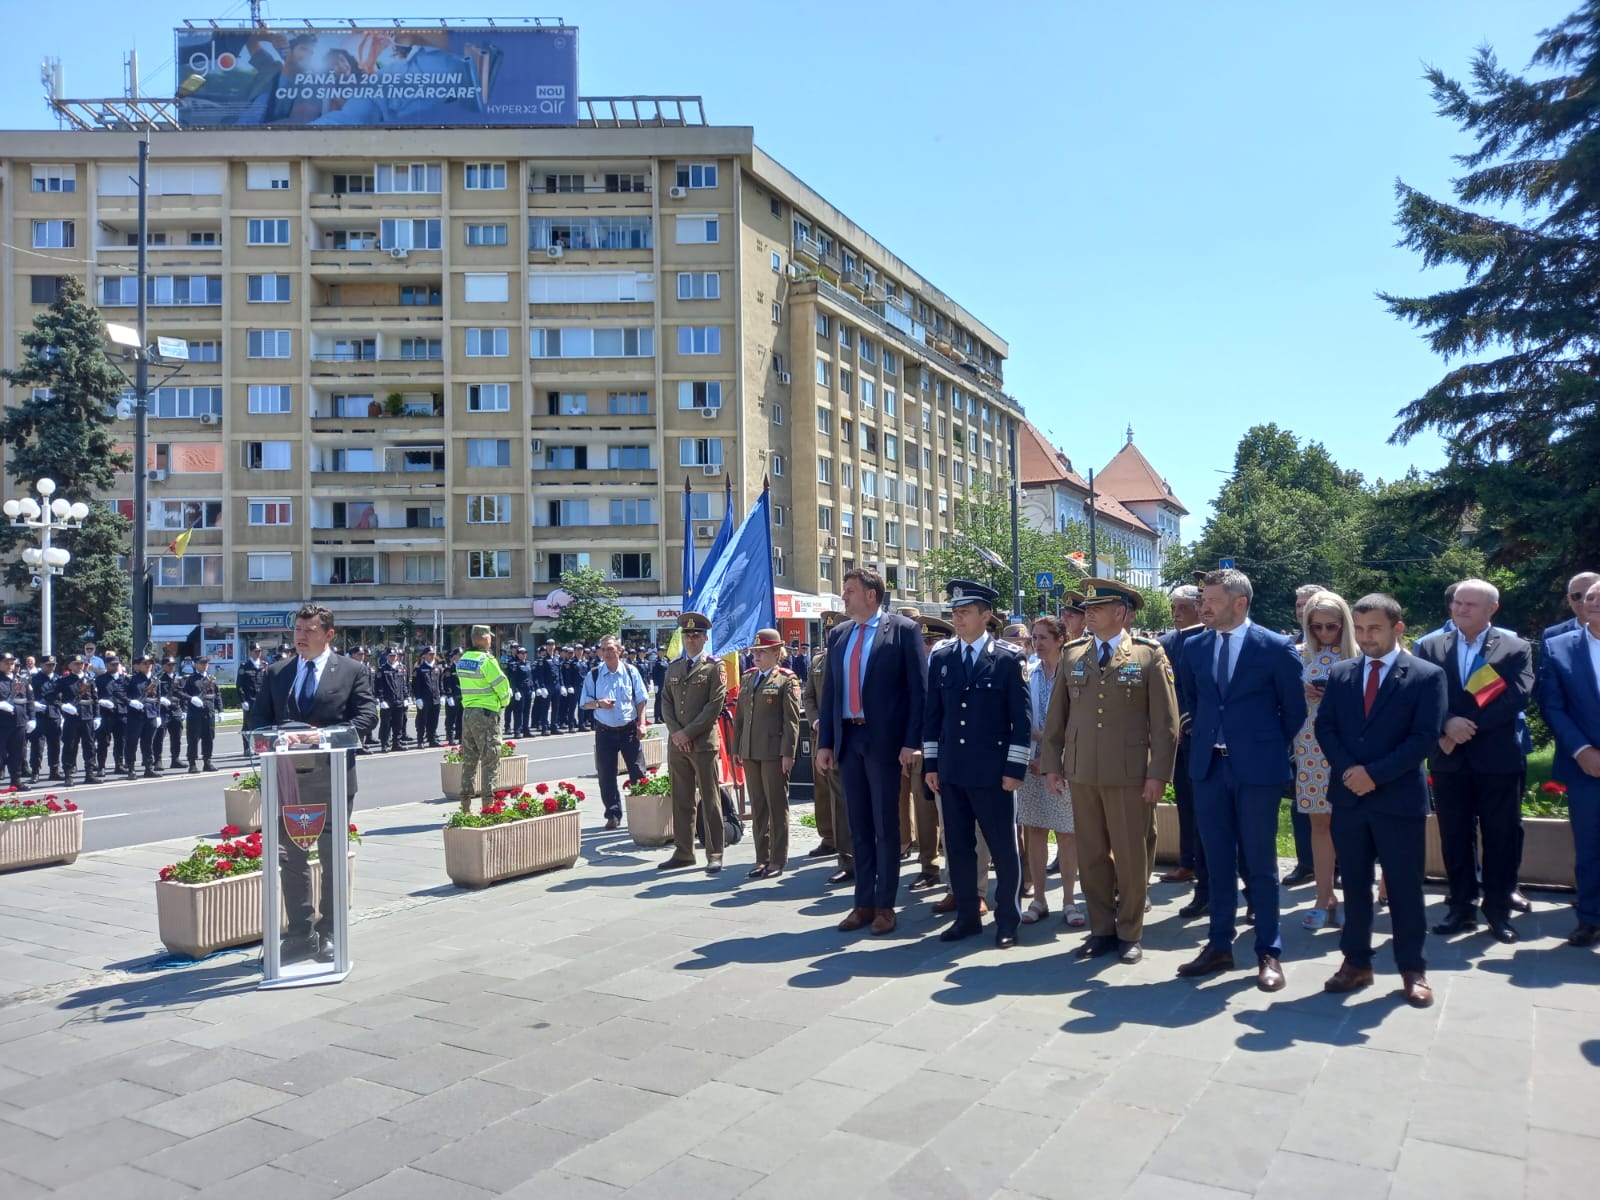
{"points": [[522, 805], [15, 808]]}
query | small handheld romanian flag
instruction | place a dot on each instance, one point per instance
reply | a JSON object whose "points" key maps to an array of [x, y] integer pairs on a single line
{"points": [[180, 543], [1485, 683]]}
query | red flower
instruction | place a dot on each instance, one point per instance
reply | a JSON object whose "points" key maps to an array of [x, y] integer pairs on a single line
{"points": [[168, 872], [224, 866], [230, 831], [511, 745], [353, 829], [551, 804], [578, 794], [236, 774], [1552, 788], [51, 796], [53, 806], [542, 789], [71, 807]]}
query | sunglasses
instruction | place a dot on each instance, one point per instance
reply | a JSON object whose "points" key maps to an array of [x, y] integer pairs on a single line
{"points": [[1327, 627], [1576, 595]]}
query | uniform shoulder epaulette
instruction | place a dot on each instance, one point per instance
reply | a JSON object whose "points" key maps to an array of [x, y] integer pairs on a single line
{"points": [[1078, 641], [781, 670], [1138, 640]]}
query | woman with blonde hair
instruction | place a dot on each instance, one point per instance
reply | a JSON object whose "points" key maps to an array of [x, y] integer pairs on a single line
{"points": [[1039, 810], [1329, 638]]}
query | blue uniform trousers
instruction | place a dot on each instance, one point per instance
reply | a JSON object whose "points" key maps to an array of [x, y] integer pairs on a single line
{"points": [[994, 811]]}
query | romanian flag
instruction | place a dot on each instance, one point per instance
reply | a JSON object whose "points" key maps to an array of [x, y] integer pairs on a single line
{"points": [[1484, 684], [181, 543]]}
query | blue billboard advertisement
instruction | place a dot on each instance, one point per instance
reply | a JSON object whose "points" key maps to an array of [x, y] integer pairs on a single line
{"points": [[399, 75]]}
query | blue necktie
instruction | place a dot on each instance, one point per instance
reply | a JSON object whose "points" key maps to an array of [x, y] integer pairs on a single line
{"points": [[308, 688], [1222, 664]]}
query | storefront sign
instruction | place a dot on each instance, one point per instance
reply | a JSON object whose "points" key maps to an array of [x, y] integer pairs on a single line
{"points": [[266, 620]]}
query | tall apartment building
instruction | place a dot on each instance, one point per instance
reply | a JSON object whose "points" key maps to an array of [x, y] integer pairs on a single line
{"points": [[437, 368]]}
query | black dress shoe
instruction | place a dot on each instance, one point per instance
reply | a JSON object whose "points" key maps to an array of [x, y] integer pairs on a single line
{"points": [[297, 947], [822, 850], [924, 882], [961, 929], [1456, 923], [1095, 945], [1129, 952], [1198, 907], [1208, 960], [844, 876], [1584, 935], [325, 949], [1298, 876], [1502, 932], [1005, 941], [1519, 902]]}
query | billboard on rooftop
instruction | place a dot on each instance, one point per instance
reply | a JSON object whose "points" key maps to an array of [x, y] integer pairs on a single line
{"points": [[282, 76]]}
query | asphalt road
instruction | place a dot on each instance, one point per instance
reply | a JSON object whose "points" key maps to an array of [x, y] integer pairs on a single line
{"points": [[182, 805]]}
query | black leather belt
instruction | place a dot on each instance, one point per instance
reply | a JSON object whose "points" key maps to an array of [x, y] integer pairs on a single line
{"points": [[855, 720]]}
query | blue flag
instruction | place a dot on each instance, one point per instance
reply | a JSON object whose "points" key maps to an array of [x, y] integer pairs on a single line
{"points": [[724, 533], [689, 581], [737, 592]]}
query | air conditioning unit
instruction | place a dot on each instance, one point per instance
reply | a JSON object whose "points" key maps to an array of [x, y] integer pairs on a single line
{"points": [[398, 252], [705, 531], [710, 411], [210, 419], [833, 543], [869, 546], [711, 469], [784, 378], [678, 193], [537, 444], [156, 476], [555, 251]]}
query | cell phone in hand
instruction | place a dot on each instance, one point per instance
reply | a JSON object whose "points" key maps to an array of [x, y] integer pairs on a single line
{"points": [[1320, 684]]}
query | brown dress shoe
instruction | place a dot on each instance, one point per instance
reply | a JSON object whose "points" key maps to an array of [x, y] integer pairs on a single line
{"points": [[1178, 875], [1208, 960], [1269, 974], [947, 904], [1348, 978], [883, 922], [1414, 986], [856, 919]]}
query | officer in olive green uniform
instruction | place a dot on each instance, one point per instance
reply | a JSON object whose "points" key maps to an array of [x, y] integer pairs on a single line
{"points": [[693, 696], [833, 818], [766, 737], [1112, 733]]}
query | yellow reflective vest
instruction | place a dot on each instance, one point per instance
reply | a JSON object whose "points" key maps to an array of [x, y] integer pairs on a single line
{"points": [[483, 683]]}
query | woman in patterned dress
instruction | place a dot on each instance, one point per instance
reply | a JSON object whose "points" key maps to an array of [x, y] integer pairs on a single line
{"points": [[1329, 638], [1038, 809]]}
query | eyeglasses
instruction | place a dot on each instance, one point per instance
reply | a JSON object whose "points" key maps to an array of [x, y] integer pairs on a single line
{"points": [[1576, 595], [1327, 627]]}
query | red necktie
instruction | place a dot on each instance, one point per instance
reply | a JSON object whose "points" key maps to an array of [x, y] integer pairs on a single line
{"points": [[854, 695], [1372, 686]]}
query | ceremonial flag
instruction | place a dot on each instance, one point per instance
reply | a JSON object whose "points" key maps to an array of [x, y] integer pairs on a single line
{"points": [[721, 543], [1484, 682], [180, 543], [738, 595], [689, 580]]}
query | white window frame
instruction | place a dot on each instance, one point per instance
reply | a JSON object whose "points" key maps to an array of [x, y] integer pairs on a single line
{"points": [[696, 175], [257, 230], [256, 508], [478, 392], [264, 289], [491, 510], [499, 564], [483, 176], [55, 234], [699, 339], [492, 233], [497, 444], [697, 229], [269, 343], [269, 398], [55, 177], [497, 341], [257, 567], [486, 287], [699, 285]]}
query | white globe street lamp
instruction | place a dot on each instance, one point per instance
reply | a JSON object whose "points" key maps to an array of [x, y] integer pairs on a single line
{"points": [[45, 561]]}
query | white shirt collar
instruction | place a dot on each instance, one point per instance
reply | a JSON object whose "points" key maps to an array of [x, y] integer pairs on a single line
{"points": [[978, 646], [1113, 642], [320, 662], [1387, 660]]}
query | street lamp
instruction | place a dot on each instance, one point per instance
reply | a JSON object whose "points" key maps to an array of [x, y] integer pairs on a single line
{"points": [[44, 560]]}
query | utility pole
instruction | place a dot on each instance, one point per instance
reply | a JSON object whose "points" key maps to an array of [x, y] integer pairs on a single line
{"points": [[141, 415], [1094, 555]]}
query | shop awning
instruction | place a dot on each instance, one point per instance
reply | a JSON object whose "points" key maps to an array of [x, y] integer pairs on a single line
{"points": [[172, 633]]}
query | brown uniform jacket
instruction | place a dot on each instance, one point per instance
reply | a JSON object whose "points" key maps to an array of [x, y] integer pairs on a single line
{"points": [[812, 696], [692, 697], [1111, 728], [766, 724]]}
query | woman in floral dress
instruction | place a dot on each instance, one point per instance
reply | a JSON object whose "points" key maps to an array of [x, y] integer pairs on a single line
{"points": [[1039, 810], [1329, 639]]}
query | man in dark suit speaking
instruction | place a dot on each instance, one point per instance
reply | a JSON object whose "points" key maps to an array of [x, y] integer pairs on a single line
{"points": [[316, 687], [871, 725], [1380, 716]]}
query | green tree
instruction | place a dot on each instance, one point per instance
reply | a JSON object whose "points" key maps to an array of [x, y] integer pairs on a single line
{"points": [[1521, 423], [983, 519], [63, 431], [593, 610]]}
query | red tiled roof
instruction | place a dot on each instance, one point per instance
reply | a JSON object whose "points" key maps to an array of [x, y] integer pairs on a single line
{"points": [[1042, 463], [1131, 479]]}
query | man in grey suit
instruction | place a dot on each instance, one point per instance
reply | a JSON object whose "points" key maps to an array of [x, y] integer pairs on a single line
{"points": [[319, 688]]}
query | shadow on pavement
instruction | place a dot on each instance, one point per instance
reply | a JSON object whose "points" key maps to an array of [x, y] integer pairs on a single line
{"points": [[125, 1000]]}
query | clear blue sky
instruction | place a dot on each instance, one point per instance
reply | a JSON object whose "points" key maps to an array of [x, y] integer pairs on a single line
{"points": [[1173, 211]]}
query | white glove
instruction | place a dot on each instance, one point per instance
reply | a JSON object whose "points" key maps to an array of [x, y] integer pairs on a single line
{"points": [[196, 702], [544, 693], [516, 695], [107, 704], [136, 704], [566, 692], [7, 706], [165, 703], [96, 724], [32, 725], [449, 703], [383, 704], [246, 706], [38, 706], [70, 709]]}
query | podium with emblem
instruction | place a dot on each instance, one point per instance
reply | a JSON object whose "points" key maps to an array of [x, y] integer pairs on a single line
{"points": [[305, 811]]}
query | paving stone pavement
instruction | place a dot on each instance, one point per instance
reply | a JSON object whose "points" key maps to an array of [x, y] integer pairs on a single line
{"points": [[613, 1030]]}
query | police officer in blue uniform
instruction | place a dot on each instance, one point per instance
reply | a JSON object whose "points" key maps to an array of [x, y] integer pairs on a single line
{"points": [[519, 714], [976, 738]]}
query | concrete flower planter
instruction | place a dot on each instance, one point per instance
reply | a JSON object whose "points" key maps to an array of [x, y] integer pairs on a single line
{"points": [[655, 752], [197, 919], [649, 819], [36, 841], [1548, 852], [477, 857], [242, 808], [513, 773]]}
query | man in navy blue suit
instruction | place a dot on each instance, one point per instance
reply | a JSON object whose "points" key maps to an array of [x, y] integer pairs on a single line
{"points": [[1577, 587], [1569, 696], [1241, 688], [871, 727], [1380, 716], [976, 738]]}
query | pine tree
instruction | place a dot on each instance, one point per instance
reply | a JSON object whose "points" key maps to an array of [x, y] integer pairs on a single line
{"points": [[63, 431], [1521, 426]]}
